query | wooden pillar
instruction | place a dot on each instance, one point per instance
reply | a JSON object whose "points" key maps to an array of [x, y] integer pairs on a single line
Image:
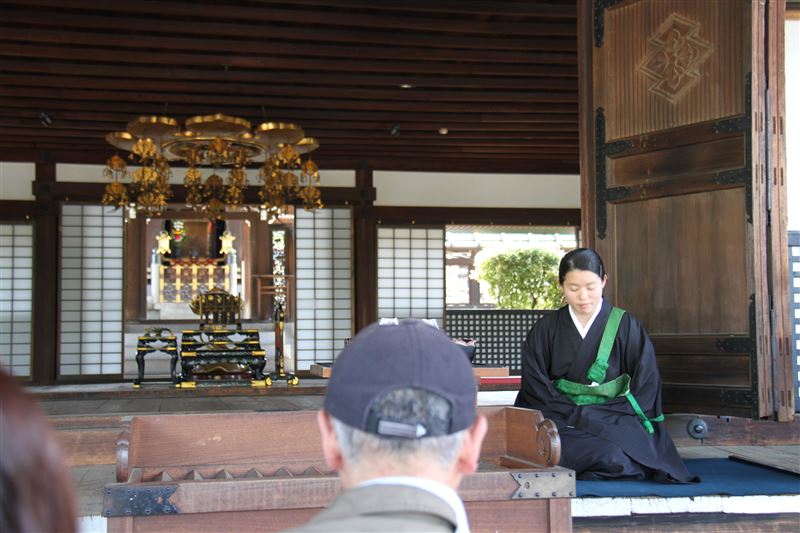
{"points": [[586, 124], [45, 276], [134, 272], [782, 353], [365, 251]]}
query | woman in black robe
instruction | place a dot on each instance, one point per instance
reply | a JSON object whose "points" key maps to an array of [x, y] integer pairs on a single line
{"points": [[604, 440]]}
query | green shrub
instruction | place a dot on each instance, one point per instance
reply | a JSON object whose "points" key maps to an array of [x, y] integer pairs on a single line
{"points": [[522, 279]]}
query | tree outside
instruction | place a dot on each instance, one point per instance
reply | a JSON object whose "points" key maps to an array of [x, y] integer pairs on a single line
{"points": [[522, 279]]}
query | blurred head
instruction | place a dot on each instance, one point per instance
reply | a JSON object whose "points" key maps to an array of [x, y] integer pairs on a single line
{"points": [[582, 278], [402, 401], [37, 492]]}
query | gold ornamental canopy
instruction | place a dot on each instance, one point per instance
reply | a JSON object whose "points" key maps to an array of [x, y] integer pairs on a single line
{"points": [[217, 142]]}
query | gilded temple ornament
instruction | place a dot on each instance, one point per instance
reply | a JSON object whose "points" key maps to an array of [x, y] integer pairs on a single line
{"points": [[227, 146], [163, 239], [226, 243], [676, 55]]}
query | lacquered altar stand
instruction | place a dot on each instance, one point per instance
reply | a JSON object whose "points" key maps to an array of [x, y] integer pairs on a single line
{"points": [[220, 341], [265, 472]]}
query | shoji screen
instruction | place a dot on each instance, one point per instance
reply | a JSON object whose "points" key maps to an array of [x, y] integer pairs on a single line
{"points": [[16, 298], [411, 273], [91, 290], [324, 284]]}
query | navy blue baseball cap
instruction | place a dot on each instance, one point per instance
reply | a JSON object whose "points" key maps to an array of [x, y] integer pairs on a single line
{"points": [[408, 355]]}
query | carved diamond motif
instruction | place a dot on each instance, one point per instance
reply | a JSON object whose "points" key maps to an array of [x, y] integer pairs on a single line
{"points": [[676, 54]]}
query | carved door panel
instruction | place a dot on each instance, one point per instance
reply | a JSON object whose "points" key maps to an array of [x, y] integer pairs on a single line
{"points": [[674, 197]]}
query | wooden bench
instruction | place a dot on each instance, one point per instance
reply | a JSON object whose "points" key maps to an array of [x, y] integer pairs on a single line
{"points": [[265, 472]]}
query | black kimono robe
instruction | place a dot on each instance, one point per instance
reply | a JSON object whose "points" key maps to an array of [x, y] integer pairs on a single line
{"points": [[607, 440]]}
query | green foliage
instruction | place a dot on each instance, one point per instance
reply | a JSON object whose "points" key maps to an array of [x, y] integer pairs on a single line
{"points": [[522, 279]]}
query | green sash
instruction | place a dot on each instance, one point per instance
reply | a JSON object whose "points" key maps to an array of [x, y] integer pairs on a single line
{"points": [[601, 390]]}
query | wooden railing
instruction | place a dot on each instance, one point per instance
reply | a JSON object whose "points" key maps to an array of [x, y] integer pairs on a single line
{"points": [[271, 288], [179, 283]]}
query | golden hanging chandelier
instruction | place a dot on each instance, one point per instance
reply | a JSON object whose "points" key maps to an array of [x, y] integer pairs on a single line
{"points": [[216, 142]]}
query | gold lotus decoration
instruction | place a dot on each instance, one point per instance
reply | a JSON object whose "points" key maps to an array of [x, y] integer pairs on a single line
{"points": [[226, 145]]}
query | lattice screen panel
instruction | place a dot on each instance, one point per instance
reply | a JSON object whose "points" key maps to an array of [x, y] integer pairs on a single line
{"points": [[324, 284], [499, 333], [411, 273], [16, 298], [794, 271], [91, 290]]}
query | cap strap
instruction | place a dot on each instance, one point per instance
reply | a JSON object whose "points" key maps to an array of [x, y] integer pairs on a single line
{"points": [[387, 428]]}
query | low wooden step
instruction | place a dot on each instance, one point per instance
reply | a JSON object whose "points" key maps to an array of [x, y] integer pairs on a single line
{"points": [[88, 440]]}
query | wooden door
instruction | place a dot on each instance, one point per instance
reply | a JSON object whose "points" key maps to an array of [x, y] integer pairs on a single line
{"points": [[676, 194]]}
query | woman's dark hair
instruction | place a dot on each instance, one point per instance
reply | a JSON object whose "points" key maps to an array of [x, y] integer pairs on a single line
{"points": [[38, 492], [581, 259]]}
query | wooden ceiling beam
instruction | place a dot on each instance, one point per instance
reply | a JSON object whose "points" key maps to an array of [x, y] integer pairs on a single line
{"points": [[538, 9], [446, 158], [471, 218], [417, 164], [439, 152], [273, 90], [284, 102], [466, 137], [264, 77], [326, 136], [132, 24], [29, 119], [527, 141], [127, 111], [52, 138], [270, 47], [456, 150], [329, 147], [434, 164], [225, 61], [335, 136], [67, 120], [353, 18]]}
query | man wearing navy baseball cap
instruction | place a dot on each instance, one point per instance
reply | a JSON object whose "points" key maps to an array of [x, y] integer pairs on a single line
{"points": [[399, 423]]}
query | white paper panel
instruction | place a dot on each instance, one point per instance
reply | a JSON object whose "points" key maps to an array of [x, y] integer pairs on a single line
{"points": [[16, 297], [324, 281], [411, 273], [91, 290]]}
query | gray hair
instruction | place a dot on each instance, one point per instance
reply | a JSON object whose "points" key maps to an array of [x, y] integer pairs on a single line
{"points": [[408, 405]]}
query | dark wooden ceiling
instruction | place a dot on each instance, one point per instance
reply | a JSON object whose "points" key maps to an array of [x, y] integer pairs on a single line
{"points": [[501, 76]]}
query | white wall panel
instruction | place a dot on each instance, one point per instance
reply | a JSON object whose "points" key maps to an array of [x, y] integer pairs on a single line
{"points": [[443, 189], [16, 181]]}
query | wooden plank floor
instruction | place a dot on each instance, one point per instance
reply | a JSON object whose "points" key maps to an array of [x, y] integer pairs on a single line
{"points": [[785, 457], [186, 404]]}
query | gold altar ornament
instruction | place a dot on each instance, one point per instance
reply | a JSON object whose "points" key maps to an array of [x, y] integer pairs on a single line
{"points": [[163, 243], [227, 146], [227, 239]]}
